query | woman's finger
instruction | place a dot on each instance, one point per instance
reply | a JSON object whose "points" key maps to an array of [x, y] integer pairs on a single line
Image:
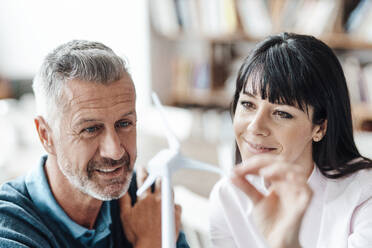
{"points": [[283, 171], [245, 186], [293, 192], [254, 164]]}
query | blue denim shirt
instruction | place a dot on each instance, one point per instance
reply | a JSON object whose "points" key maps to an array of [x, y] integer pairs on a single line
{"points": [[44, 200], [31, 217]]}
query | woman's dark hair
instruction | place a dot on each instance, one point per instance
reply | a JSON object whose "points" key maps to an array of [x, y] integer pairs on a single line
{"points": [[302, 71]]}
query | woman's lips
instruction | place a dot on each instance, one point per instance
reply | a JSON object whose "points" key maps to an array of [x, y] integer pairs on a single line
{"points": [[258, 148]]}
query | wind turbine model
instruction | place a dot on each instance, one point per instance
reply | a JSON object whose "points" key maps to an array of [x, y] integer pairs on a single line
{"points": [[163, 165]]}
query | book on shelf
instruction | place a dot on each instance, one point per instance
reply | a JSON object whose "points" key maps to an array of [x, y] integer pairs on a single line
{"points": [[189, 77], [217, 17], [285, 14], [212, 18], [180, 81], [201, 76], [230, 16], [315, 17], [255, 18], [367, 77], [163, 17], [318, 17], [358, 79], [187, 15], [353, 74], [360, 21]]}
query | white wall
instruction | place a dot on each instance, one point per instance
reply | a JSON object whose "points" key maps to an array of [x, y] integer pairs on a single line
{"points": [[29, 29]]}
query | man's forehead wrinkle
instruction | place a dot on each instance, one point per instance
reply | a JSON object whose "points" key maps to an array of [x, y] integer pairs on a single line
{"points": [[77, 89], [82, 111], [117, 99], [89, 97]]}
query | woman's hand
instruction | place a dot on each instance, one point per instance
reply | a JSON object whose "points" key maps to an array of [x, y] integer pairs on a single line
{"points": [[277, 215]]}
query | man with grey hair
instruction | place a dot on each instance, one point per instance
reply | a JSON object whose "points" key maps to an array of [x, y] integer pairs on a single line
{"points": [[82, 194]]}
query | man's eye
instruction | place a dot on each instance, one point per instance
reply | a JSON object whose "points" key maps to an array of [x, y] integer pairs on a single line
{"points": [[123, 124], [247, 105], [284, 115], [91, 129]]}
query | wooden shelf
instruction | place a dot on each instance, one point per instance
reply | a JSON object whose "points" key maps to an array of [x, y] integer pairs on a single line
{"points": [[204, 98], [346, 42], [342, 41], [362, 116]]}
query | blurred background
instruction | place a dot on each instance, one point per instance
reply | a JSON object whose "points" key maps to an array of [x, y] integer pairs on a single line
{"points": [[188, 51]]}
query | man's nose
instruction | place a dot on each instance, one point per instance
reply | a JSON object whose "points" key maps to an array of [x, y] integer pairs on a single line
{"points": [[259, 124], [111, 146]]}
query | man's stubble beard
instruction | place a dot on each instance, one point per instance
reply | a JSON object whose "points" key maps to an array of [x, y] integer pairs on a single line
{"points": [[84, 182]]}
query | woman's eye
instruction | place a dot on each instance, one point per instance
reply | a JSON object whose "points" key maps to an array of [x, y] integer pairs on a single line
{"points": [[284, 115], [247, 105]]}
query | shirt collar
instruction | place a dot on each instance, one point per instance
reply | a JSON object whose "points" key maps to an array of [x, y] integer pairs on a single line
{"points": [[316, 180], [40, 193]]}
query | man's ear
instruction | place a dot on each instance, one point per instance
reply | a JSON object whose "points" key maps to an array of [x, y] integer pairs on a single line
{"points": [[320, 131], [45, 134]]}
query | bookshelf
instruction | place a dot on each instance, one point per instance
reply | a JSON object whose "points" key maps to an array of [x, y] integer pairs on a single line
{"points": [[198, 45]]}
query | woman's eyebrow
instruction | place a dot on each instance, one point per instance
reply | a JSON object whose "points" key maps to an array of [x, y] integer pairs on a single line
{"points": [[249, 94]]}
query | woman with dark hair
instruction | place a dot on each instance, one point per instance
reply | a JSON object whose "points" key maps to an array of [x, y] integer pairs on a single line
{"points": [[301, 181]]}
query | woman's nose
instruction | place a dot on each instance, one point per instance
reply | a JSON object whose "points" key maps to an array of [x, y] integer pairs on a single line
{"points": [[259, 124]]}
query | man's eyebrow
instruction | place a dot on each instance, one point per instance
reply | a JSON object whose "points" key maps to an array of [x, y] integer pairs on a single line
{"points": [[82, 121], [129, 113]]}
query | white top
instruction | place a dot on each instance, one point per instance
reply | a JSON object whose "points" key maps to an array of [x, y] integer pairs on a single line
{"points": [[339, 215]]}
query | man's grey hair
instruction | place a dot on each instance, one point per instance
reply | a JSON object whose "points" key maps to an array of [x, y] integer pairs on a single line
{"points": [[76, 60]]}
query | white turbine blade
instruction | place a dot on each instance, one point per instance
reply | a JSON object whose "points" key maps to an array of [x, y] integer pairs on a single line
{"points": [[172, 140], [198, 165], [147, 184]]}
